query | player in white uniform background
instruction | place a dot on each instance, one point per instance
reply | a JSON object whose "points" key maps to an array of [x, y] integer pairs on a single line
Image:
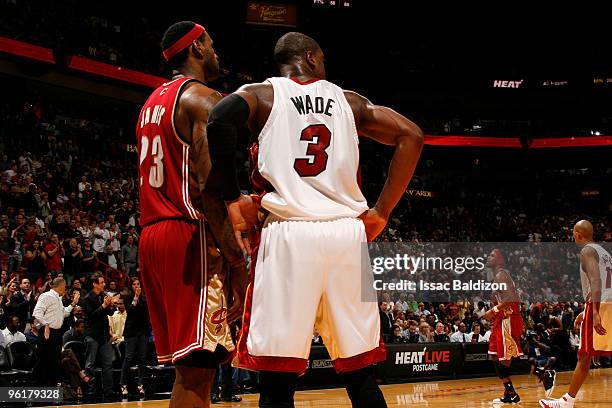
{"points": [[308, 262], [595, 320]]}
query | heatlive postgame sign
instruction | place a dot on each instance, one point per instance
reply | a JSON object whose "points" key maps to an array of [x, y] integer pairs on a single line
{"points": [[422, 359]]}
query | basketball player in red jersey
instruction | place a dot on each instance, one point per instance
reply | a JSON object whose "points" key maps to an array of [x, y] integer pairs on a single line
{"points": [[505, 341], [184, 257], [308, 263]]}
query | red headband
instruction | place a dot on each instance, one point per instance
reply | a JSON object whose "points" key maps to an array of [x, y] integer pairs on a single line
{"points": [[184, 42]]}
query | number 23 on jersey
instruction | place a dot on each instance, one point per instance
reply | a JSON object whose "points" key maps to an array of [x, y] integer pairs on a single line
{"points": [[156, 170]]}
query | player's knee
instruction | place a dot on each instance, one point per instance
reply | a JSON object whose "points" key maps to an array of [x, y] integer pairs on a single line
{"points": [[193, 378], [502, 370], [362, 388]]}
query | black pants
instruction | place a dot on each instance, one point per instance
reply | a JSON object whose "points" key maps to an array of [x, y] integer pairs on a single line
{"points": [[135, 350], [224, 379], [50, 358]]}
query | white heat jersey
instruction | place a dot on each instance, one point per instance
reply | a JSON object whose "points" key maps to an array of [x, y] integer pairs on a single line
{"points": [[605, 271], [308, 151]]}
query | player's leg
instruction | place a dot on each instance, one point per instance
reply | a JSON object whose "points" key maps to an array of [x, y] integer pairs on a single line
{"points": [[348, 318], [580, 374], [191, 386], [277, 389]]}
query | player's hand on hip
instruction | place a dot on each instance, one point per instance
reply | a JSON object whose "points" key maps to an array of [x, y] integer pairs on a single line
{"points": [[597, 324], [578, 321], [374, 223], [243, 216]]}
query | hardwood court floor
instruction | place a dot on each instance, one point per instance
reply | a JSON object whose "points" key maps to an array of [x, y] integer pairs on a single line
{"points": [[596, 393]]}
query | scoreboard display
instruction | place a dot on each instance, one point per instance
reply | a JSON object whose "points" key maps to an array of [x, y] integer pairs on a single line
{"points": [[332, 3]]}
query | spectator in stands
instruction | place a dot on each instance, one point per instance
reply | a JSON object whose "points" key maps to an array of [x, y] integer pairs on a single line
{"points": [[401, 304], [7, 246], [426, 332], [35, 262], [123, 214], [475, 336], [54, 253], [25, 301], [116, 323], [76, 376], [32, 335], [460, 336], [421, 311], [487, 331], [397, 336], [481, 310], [72, 261], [101, 236], [75, 333], [88, 263], [137, 328], [50, 314], [386, 319], [115, 236], [440, 335], [11, 333], [4, 280], [44, 208], [9, 307], [109, 258], [129, 257], [413, 335], [97, 335]]}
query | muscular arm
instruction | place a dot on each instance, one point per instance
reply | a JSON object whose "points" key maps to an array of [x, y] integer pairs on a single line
{"points": [[232, 113], [194, 108], [589, 260], [388, 127]]}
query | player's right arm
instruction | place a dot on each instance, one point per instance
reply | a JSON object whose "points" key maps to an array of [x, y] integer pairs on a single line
{"points": [[388, 127], [589, 261]]}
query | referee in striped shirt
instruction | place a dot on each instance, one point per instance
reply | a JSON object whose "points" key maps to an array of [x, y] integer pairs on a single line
{"points": [[50, 313]]}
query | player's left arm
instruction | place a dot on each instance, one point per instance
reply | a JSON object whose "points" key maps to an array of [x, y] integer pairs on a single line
{"points": [[223, 130], [589, 260]]}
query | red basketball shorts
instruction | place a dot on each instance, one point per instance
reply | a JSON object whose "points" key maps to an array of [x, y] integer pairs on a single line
{"points": [[182, 274], [505, 340]]}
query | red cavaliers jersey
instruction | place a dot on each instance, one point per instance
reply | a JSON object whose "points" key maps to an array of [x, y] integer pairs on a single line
{"points": [[164, 158]]}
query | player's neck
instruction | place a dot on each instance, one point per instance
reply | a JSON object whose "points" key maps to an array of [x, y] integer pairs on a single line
{"points": [[191, 72], [301, 73]]}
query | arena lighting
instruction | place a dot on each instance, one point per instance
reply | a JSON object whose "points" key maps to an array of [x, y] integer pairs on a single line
{"points": [[26, 50], [515, 143]]}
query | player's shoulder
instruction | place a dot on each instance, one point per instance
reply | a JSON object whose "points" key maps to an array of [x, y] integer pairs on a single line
{"points": [[589, 251], [257, 88], [198, 95]]}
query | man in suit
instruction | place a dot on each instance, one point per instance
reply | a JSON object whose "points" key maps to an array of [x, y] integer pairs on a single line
{"points": [[24, 303], [386, 320]]}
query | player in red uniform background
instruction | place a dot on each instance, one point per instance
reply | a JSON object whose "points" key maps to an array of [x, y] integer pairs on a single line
{"points": [[187, 246], [506, 330]]}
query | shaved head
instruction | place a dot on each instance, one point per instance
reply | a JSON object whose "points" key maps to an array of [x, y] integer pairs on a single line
{"points": [[583, 232], [293, 46]]}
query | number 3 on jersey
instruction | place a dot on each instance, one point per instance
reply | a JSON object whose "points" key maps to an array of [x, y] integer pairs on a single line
{"points": [[156, 172], [311, 167]]}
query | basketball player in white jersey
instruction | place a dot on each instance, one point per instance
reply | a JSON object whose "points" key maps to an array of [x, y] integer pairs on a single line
{"points": [[308, 262], [595, 339]]}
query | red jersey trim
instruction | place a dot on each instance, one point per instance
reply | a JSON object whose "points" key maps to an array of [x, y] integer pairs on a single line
{"points": [[179, 92], [308, 82]]}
